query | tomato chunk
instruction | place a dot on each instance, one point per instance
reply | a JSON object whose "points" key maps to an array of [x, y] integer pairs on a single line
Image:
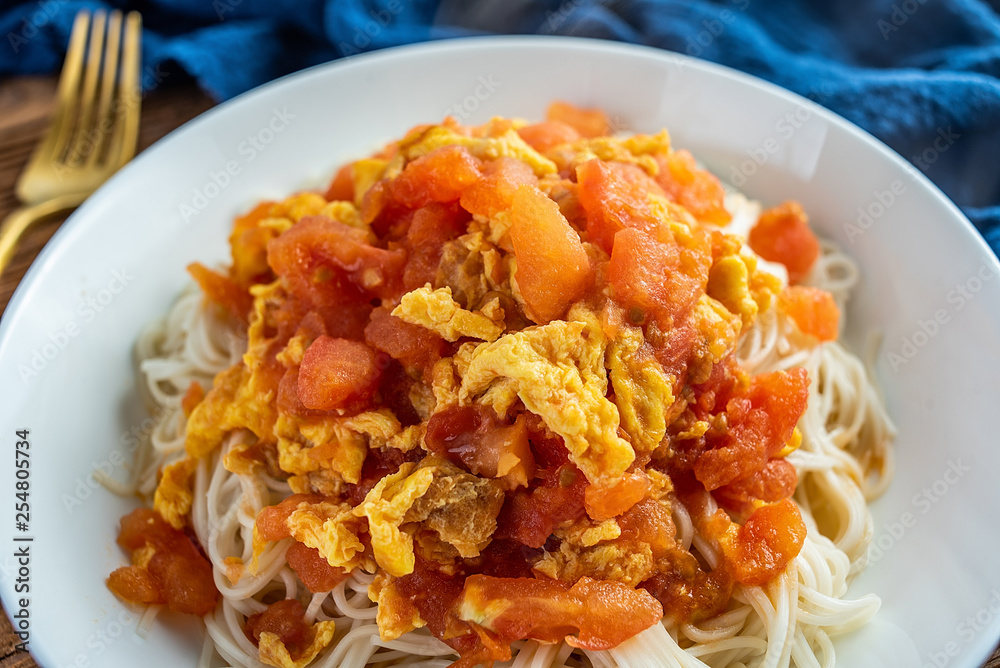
{"points": [[495, 191], [431, 227], [592, 614], [342, 186], [606, 502], [272, 521], [313, 569], [588, 122], [814, 311], [136, 584], [222, 290], [440, 176], [614, 196], [553, 270], [761, 548], [697, 190], [782, 234], [776, 481], [335, 372], [285, 619], [548, 134], [412, 345], [476, 438]]}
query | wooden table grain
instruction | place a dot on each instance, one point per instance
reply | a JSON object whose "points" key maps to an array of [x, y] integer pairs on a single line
{"points": [[25, 106]]}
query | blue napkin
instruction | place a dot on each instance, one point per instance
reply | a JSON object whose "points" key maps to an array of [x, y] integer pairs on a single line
{"points": [[921, 75]]}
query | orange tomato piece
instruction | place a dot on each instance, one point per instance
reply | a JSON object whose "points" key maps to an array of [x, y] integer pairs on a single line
{"points": [[495, 191], [776, 481], [414, 346], [697, 190], [814, 311], [431, 227], [553, 269], [548, 134], [614, 195], [588, 122], [222, 290], [605, 502], [313, 569], [342, 186], [336, 372], [591, 614], [439, 176], [782, 234], [761, 548], [272, 521], [285, 619], [135, 584]]}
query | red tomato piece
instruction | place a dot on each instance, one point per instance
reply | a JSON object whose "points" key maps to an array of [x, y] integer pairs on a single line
{"points": [[495, 191], [614, 196], [223, 290], [335, 372], [440, 176], [285, 619], [414, 346], [553, 269], [782, 234], [606, 502], [475, 438], [431, 227], [776, 481], [588, 122], [272, 521], [814, 311], [592, 614], [548, 134], [761, 548], [342, 186], [697, 190], [313, 569]]}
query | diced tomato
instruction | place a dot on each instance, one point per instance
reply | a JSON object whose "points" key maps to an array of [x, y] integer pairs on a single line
{"points": [[649, 280], [553, 270], [342, 186], [605, 502], [223, 291], [285, 619], [495, 191], [776, 481], [760, 549], [477, 439], [336, 372], [530, 517], [136, 584], [313, 569], [588, 122], [782, 234], [548, 134], [414, 346], [592, 614], [440, 176], [615, 196], [687, 593], [177, 573], [319, 250], [697, 190], [272, 521], [814, 311], [759, 426], [432, 226]]}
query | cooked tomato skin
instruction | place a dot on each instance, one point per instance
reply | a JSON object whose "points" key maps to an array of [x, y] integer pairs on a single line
{"points": [[782, 234], [336, 372]]}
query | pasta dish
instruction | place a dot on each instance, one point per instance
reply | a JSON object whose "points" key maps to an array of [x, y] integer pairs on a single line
{"points": [[519, 394]]}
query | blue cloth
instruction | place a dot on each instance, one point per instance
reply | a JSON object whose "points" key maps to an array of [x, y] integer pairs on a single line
{"points": [[921, 75]]}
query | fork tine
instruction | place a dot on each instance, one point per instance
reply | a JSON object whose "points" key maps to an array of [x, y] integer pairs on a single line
{"points": [[56, 139], [83, 143], [126, 131], [109, 75]]}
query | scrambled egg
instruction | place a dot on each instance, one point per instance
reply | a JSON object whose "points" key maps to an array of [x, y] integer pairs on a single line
{"points": [[274, 653], [438, 312], [174, 495], [505, 144], [643, 392], [557, 370], [332, 529]]}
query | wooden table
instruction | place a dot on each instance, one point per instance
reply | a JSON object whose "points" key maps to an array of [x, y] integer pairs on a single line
{"points": [[25, 106]]}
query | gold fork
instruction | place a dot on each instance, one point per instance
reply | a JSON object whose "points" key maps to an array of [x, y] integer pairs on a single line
{"points": [[94, 128]]}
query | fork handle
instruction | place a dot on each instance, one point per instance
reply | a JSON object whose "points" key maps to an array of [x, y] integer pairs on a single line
{"points": [[17, 223]]}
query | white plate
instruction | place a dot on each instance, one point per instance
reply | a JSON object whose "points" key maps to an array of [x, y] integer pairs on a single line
{"points": [[119, 262]]}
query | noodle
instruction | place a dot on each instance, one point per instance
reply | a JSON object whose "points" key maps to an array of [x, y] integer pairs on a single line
{"points": [[844, 461]]}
